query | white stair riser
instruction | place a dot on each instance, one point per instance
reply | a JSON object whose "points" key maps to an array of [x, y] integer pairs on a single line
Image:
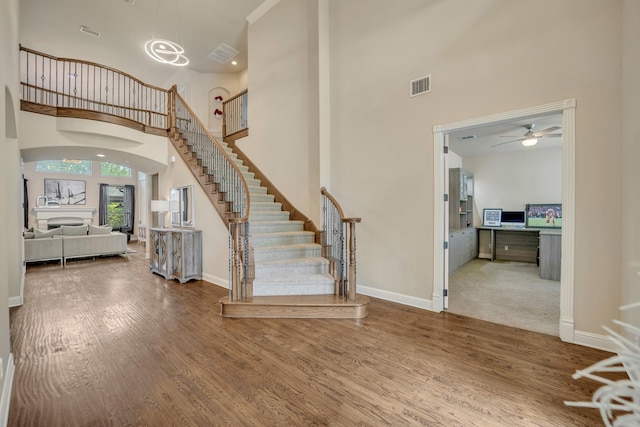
{"points": [[257, 190], [279, 239], [288, 289], [286, 252], [265, 206], [272, 215], [261, 197], [275, 227], [271, 269]]}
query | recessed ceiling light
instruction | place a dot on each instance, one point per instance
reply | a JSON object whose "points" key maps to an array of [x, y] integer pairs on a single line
{"points": [[234, 62], [101, 155]]}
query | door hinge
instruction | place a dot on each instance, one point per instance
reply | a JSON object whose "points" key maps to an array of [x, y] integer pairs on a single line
{"points": [[445, 245], [445, 293], [446, 197], [446, 149]]}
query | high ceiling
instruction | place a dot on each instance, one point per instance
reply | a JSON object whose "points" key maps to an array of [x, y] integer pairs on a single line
{"points": [[53, 27], [484, 138]]}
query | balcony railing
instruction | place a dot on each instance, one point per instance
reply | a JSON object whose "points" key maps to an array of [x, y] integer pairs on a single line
{"points": [[234, 116], [74, 84]]}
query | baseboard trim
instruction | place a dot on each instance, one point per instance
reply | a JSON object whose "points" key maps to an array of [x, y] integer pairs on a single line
{"points": [[218, 281], [6, 391], [395, 297], [588, 339], [15, 301]]}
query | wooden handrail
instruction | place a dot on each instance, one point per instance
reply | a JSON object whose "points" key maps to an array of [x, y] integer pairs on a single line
{"points": [[174, 91], [337, 255], [95, 64]]}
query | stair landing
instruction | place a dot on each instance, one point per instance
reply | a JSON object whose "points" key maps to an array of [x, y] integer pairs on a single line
{"points": [[296, 307]]}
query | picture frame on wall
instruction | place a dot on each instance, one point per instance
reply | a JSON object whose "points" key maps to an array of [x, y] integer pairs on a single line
{"points": [[492, 217], [544, 215], [66, 191]]}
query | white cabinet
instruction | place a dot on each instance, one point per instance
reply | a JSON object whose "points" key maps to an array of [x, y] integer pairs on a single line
{"points": [[463, 247], [460, 199], [176, 253]]}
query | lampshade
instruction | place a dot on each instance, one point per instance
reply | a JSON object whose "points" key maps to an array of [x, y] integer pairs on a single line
{"points": [[529, 142], [159, 206]]}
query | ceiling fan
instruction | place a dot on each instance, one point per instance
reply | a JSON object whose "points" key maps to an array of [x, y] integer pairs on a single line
{"points": [[530, 138]]}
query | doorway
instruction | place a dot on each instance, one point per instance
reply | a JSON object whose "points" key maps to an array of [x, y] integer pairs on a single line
{"points": [[441, 133]]}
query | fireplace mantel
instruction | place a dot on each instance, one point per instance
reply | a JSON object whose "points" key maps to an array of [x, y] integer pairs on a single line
{"points": [[59, 215]]}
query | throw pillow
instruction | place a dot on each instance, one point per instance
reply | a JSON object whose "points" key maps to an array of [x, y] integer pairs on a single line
{"points": [[103, 229], [74, 230], [38, 234]]}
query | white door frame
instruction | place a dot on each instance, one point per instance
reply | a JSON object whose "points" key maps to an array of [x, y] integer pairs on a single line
{"points": [[567, 108]]}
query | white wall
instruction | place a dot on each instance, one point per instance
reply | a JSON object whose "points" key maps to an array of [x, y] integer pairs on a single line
{"points": [[283, 106], [480, 57], [11, 252], [630, 157], [92, 184], [511, 180]]}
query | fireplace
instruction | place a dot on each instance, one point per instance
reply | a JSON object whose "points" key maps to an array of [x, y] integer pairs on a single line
{"points": [[55, 217]]}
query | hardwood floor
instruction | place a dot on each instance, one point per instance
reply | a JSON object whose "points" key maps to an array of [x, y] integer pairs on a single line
{"points": [[106, 342]]}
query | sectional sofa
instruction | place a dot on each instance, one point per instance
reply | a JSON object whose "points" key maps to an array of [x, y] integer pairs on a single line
{"points": [[73, 241]]}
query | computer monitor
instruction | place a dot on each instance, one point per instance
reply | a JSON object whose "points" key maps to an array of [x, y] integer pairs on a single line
{"points": [[513, 218]]}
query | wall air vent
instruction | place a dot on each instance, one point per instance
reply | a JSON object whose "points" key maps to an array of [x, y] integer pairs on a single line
{"points": [[420, 86], [223, 53], [89, 31]]}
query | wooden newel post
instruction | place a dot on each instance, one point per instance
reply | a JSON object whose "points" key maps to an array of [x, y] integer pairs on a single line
{"points": [[352, 256], [171, 108]]}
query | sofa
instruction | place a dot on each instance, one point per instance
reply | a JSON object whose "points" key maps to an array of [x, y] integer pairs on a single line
{"points": [[72, 241]]}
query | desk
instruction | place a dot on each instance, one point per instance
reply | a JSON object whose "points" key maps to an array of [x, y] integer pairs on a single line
{"points": [[534, 245]]}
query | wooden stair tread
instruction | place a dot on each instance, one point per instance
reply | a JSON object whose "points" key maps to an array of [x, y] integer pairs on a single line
{"points": [[292, 306]]}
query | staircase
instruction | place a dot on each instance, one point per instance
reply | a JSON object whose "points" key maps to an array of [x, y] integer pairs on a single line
{"points": [[291, 278]]}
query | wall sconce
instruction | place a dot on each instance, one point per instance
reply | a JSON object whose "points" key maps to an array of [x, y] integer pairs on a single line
{"points": [[162, 207]]}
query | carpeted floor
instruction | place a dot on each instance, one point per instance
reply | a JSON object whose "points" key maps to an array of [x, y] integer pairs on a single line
{"points": [[508, 293]]}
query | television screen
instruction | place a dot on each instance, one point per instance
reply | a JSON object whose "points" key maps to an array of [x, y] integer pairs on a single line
{"points": [[513, 217], [544, 215]]}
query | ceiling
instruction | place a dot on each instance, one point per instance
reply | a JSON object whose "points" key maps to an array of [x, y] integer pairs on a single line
{"points": [[486, 136], [53, 27]]}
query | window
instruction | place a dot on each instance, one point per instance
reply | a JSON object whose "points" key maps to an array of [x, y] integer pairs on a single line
{"points": [[115, 206], [77, 167], [112, 169]]}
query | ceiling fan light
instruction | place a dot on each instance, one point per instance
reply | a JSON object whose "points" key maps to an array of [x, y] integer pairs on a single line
{"points": [[529, 142]]}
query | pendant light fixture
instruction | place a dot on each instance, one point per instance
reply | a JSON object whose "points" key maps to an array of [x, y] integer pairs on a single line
{"points": [[163, 50]]}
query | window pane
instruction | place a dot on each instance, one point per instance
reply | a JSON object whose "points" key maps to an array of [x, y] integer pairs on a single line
{"points": [[116, 214], [112, 169], [77, 167]]}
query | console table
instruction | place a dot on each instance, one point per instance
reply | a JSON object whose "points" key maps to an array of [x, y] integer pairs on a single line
{"points": [[176, 253]]}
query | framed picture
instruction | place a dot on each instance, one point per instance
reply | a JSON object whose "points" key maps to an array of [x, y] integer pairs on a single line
{"points": [[66, 191], [492, 217], [546, 215]]}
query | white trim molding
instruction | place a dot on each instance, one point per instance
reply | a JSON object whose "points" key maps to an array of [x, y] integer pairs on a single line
{"points": [[395, 297], [261, 10], [6, 391], [567, 108]]}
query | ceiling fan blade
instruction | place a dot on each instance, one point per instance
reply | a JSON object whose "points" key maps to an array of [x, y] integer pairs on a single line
{"points": [[545, 131], [509, 136], [507, 142], [553, 135]]}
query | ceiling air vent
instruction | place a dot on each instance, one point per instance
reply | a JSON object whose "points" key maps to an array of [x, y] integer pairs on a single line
{"points": [[223, 53], [420, 86], [466, 137], [89, 31], [129, 2]]}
